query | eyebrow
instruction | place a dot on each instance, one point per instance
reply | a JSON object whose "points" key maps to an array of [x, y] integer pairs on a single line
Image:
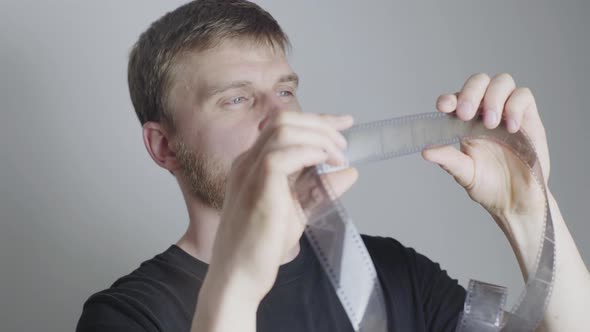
{"points": [[292, 77], [289, 78]]}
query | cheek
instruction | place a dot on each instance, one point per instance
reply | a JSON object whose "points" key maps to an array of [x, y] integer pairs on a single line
{"points": [[229, 142]]}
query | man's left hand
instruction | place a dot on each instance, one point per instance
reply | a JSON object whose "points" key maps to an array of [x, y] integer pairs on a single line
{"points": [[490, 173]]}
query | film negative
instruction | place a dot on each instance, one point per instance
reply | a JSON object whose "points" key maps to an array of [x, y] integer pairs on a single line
{"points": [[346, 261]]}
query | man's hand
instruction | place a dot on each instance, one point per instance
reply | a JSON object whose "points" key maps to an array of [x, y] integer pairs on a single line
{"points": [[496, 179], [260, 218], [490, 173]]}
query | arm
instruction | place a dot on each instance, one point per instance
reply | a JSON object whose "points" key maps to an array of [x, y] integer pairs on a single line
{"points": [[501, 184], [259, 222], [568, 306], [221, 308]]}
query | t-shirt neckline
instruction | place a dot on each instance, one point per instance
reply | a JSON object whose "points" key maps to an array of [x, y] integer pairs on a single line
{"points": [[288, 272]]}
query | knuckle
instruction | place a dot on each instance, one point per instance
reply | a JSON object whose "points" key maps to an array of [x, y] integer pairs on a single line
{"points": [[504, 77], [490, 105], [281, 118], [510, 109], [526, 91], [269, 162], [513, 107], [275, 121], [282, 133], [481, 77]]}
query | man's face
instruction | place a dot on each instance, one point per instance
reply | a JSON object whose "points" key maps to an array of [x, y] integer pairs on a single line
{"points": [[219, 98]]}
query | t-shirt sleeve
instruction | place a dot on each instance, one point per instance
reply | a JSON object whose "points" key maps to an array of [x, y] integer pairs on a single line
{"points": [[442, 296], [110, 315]]}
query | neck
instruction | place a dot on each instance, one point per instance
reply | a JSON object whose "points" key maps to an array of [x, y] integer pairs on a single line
{"points": [[202, 227], [199, 237]]}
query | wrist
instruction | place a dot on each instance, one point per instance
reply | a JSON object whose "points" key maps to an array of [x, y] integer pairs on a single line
{"points": [[524, 232], [222, 305], [232, 287]]}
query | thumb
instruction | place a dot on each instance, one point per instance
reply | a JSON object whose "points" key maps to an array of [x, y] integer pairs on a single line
{"points": [[454, 162], [340, 181]]}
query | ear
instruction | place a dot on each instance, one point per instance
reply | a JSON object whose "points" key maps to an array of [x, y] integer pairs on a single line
{"points": [[159, 146]]}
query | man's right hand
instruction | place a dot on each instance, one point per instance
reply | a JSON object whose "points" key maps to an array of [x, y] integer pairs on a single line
{"points": [[259, 220]]}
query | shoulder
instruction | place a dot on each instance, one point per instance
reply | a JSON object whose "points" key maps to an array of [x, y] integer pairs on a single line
{"points": [[390, 253], [142, 297], [105, 312], [393, 258], [393, 253], [125, 305], [416, 284]]}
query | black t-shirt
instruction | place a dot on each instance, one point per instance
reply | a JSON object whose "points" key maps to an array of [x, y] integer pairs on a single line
{"points": [[161, 294]]}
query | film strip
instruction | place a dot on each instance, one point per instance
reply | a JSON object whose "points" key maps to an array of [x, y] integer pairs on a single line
{"points": [[346, 261]]}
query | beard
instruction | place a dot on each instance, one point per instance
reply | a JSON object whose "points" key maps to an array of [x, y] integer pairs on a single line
{"points": [[206, 177]]}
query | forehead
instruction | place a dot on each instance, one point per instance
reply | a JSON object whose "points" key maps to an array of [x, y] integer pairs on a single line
{"points": [[231, 60]]}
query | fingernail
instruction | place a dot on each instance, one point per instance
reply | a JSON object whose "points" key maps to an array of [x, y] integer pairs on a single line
{"points": [[490, 119], [511, 125], [465, 109]]}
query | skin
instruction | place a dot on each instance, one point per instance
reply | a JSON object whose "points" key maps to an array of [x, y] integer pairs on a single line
{"points": [[248, 141]]}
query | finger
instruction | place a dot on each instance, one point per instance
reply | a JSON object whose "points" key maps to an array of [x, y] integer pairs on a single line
{"points": [[471, 95], [291, 159], [523, 99], [453, 161], [497, 94], [316, 120], [294, 135], [447, 103], [327, 124], [520, 101], [340, 181]]}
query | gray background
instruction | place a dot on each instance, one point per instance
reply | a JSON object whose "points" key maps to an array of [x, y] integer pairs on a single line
{"points": [[81, 203]]}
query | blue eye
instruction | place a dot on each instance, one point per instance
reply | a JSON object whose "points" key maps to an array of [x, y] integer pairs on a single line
{"points": [[237, 100], [289, 93]]}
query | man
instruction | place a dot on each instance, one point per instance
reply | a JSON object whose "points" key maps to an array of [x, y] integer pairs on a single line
{"points": [[215, 94]]}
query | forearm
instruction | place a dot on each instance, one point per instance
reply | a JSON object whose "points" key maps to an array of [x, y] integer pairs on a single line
{"points": [[220, 308], [570, 299]]}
